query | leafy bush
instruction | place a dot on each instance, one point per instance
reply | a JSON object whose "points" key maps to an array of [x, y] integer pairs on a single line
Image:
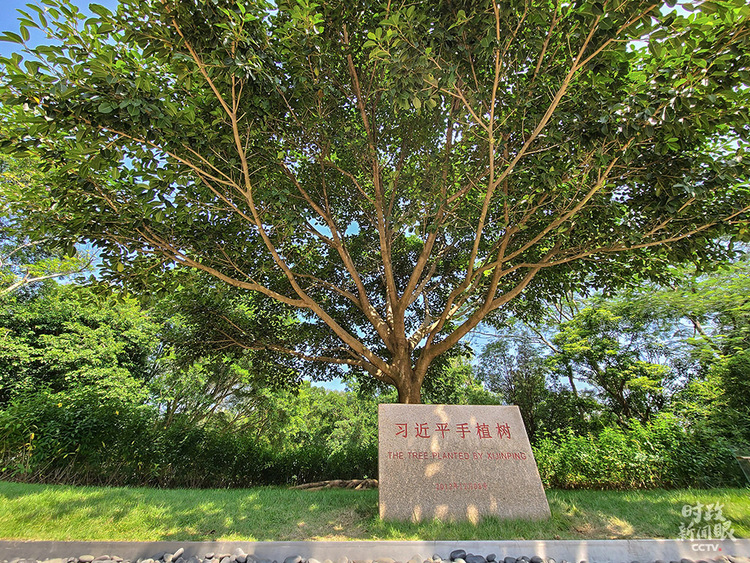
{"points": [[661, 453], [108, 435]]}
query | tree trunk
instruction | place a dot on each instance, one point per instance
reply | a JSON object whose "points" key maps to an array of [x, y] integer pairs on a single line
{"points": [[579, 405], [409, 385], [408, 380], [409, 394]]}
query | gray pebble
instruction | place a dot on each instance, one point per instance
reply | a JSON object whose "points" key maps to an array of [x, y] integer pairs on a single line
{"points": [[180, 560], [210, 555], [491, 557], [509, 560], [293, 559], [536, 559], [686, 560], [457, 554], [226, 559]]}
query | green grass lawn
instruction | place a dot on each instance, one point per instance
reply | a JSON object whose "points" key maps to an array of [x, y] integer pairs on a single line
{"points": [[55, 512]]}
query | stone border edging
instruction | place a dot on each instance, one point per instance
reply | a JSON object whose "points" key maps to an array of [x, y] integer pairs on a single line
{"points": [[594, 551]]}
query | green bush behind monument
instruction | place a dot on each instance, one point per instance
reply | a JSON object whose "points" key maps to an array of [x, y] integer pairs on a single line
{"points": [[93, 438]]}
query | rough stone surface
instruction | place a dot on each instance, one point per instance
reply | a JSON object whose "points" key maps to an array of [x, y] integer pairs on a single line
{"points": [[456, 462]]}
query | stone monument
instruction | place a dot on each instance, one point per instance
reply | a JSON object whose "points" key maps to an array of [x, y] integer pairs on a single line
{"points": [[456, 462]]}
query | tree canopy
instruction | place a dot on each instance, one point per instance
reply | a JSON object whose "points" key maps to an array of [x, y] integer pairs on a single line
{"points": [[27, 261], [394, 172]]}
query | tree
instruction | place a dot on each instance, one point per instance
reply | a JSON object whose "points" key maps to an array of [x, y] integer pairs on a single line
{"points": [[219, 349], [395, 172], [518, 374], [616, 353], [26, 261], [67, 338]]}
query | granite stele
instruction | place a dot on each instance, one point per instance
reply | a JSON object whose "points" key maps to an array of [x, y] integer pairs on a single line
{"points": [[457, 462]]}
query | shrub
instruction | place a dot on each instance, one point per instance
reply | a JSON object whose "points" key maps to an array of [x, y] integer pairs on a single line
{"points": [[660, 454]]}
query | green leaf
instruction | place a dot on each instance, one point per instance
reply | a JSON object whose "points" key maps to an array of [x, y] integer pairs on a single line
{"points": [[11, 37]]}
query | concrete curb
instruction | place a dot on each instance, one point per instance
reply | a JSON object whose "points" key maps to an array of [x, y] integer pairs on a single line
{"points": [[594, 551]]}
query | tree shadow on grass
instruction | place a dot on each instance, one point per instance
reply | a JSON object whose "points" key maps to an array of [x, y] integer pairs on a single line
{"points": [[269, 513]]}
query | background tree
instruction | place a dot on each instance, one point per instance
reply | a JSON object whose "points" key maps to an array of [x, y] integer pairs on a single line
{"points": [[395, 172], [517, 373], [220, 349], [619, 355], [66, 338], [26, 259]]}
